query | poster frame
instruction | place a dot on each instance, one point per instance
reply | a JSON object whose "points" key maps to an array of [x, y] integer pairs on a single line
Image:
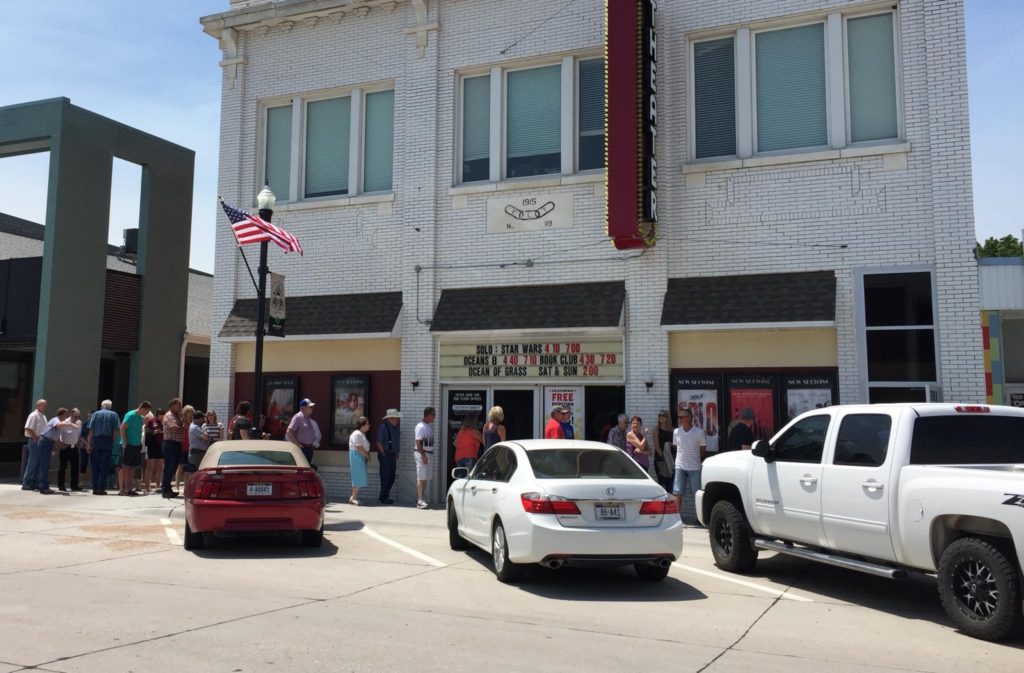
{"points": [[337, 440]]}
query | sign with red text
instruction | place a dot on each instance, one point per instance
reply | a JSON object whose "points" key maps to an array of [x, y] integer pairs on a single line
{"points": [[527, 360], [572, 399]]}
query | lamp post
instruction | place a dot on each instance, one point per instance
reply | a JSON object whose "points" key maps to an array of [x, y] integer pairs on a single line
{"points": [[265, 202]]}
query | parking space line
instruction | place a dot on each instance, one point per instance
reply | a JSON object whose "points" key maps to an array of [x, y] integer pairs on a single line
{"points": [[401, 547], [744, 583], [172, 533]]}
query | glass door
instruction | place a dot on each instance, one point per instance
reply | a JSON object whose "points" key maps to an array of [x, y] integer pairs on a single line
{"points": [[520, 410]]}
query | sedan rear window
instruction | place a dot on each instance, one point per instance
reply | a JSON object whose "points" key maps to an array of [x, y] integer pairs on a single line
{"points": [[583, 464], [256, 458]]}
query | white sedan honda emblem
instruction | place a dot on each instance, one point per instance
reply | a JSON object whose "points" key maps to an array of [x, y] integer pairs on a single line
{"points": [[609, 491]]}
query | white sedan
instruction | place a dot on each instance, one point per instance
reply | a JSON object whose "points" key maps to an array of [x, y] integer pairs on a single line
{"points": [[563, 502]]}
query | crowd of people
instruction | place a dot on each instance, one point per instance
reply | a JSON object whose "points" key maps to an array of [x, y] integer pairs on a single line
{"points": [[144, 451], [156, 449]]}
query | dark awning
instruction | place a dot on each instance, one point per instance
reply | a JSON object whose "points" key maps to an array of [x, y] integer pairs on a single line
{"points": [[763, 298], [373, 313], [530, 307]]}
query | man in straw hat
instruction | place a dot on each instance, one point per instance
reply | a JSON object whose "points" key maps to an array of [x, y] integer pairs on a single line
{"points": [[388, 447]]}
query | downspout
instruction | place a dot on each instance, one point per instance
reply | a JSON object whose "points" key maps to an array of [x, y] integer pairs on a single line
{"points": [[185, 338]]}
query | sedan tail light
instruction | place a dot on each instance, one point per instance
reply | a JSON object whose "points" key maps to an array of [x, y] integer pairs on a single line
{"points": [[538, 503], [207, 488], [666, 505]]}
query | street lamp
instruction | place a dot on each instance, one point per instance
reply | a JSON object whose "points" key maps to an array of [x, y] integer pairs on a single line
{"points": [[265, 201]]}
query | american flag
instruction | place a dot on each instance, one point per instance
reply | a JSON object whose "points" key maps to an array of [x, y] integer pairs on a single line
{"points": [[252, 229]]}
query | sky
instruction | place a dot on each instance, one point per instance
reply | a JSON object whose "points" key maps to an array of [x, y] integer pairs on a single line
{"points": [[148, 64]]}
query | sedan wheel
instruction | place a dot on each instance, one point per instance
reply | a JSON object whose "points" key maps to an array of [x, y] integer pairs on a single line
{"points": [[503, 568], [192, 540]]}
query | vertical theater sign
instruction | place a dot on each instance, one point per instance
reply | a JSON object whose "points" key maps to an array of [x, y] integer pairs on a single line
{"points": [[631, 57]]}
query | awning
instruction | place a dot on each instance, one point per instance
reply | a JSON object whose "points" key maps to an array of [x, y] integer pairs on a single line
{"points": [[328, 314], [806, 298], [530, 307]]}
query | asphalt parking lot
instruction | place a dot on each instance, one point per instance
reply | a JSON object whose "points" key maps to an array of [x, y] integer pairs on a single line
{"points": [[92, 584]]}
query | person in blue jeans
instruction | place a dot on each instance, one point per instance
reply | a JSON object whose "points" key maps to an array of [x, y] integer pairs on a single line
{"points": [[103, 425], [34, 426], [388, 449], [45, 448]]}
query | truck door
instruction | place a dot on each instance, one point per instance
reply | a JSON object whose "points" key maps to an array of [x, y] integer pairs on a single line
{"points": [[855, 488], [787, 491]]}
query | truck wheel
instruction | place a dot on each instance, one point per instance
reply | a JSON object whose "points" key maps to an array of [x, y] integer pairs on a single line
{"points": [[730, 538], [455, 540], [980, 589]]}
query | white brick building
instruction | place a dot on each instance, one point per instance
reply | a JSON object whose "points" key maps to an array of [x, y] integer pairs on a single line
{"points": [[814, 176]]}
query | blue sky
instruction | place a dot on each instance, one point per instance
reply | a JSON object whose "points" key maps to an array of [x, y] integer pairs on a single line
{"points": [[148, 64]]}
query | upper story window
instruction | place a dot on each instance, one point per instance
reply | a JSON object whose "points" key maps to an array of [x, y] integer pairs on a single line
{"points": [[535, 121], [330, 146], [826, 83]]}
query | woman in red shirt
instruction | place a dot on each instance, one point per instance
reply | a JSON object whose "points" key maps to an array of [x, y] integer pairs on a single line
{"points": [[467, 443]]}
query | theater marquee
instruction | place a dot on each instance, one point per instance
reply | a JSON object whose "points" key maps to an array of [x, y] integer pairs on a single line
{"points": [[632, 86], [599, 360]]}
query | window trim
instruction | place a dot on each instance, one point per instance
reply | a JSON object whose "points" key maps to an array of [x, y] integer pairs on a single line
{"points": [[838, 143], [839, 429], [865, 383], [297, 167], [569, 103]]}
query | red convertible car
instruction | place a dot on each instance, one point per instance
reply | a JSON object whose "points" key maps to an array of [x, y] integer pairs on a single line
{"points": [[254, 486]]}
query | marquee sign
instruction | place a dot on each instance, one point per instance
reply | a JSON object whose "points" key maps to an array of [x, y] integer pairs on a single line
{"points": [[598, 360], [632, 87]]}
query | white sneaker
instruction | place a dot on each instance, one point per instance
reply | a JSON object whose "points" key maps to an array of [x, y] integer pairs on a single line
{"points": [[421, 504]]}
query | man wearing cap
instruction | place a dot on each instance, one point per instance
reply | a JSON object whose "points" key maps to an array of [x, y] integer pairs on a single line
{"points": [[553, 430], [303, 431], [387, 446], [741, 436]]}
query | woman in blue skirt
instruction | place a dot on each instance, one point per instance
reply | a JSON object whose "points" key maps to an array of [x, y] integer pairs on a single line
{"points": [[358, 456]]}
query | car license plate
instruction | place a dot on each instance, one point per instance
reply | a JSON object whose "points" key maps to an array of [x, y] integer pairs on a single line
{"points": [[259, 488], [609, 512]]}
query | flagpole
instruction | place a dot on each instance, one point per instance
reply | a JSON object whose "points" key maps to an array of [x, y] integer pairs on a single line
{"points": [[265, 201]]}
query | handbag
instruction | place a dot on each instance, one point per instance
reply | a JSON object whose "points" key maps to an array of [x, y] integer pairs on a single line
{"points": [[665, 465]]}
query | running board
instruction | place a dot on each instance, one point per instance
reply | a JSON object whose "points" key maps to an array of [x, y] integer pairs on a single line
{"points": [[838, 561]]}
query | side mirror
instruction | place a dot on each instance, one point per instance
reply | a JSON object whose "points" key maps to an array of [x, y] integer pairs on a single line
{"points": [[762, 449], [460, 472]]}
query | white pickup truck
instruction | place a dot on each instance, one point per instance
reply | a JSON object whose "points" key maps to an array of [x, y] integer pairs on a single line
{"points": [[885, 489]]}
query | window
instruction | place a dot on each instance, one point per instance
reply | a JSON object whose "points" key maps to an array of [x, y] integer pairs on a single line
{"points": [[791, 88], [967, 439], [804, 442], [863, 440], [590, 142], [345, 145], [328, 129], [871, 52], [714, 81], [256, 458], [506, 463], [583, 464], [476, 128], [277, 170], [533, 140], [899, 336], [527, 127], [773, 89], [487, 468]]}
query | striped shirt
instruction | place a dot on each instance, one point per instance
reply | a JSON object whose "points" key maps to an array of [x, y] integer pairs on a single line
{"points": [[215, 432]]}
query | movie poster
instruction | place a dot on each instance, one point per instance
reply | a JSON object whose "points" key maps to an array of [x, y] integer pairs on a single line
{"points": [[349, 395], [799, 400], [703, 405], [762, 401], [279, 395], [572, 399]]}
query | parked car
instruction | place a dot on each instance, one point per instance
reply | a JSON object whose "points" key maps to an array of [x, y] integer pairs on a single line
{"points": [[254, 486], [885, 489], [563, 503]]}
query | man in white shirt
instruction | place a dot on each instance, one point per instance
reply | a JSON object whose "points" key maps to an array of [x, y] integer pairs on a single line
{"points": [[70, 438], [690, 444], [424, 449], [34, 426]]}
